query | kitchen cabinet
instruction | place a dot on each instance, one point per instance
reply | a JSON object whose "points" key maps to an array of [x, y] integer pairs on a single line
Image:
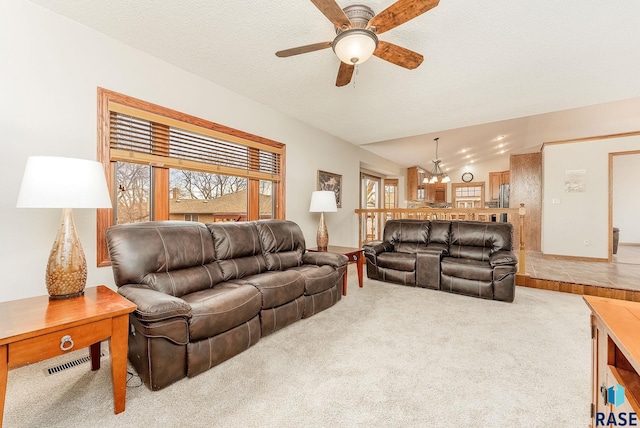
{"points": [[497, 179], [418, 190]]}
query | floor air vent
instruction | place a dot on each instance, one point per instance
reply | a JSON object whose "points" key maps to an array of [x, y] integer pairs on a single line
{"points": [[68, 365]]}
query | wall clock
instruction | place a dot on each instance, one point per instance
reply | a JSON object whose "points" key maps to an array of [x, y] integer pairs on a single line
{"points": [[467, 177]]}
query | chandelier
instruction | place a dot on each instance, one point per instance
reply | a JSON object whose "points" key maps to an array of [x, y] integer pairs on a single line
{"points": [[436, 172]]}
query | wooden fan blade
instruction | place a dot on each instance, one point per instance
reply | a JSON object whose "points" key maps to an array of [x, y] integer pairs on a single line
{"points": [[399, 13], [344, 74], [303, 49], [331, 10], [398, 55]]}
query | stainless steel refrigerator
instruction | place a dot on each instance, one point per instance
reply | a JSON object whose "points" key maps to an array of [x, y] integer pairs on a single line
{"points": [[503, 200]]}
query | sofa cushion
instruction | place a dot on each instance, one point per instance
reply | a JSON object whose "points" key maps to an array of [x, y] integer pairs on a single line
{"points": [[238, 249], [235, 240], [276, 287], [398, 261], [478, 240], [317, 278], [407, 235], [467, 269], [184, 281], [221, 308], [440, 233], [241, 267], [137, 249], [282, 243]]}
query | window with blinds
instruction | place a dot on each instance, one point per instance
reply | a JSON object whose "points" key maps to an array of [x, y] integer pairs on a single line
{"points": [[161, 164], [134, 138]]}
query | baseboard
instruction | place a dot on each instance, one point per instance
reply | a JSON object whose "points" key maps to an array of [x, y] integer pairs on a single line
{"points": [[629, 244], [575, 258], [567, 287]]}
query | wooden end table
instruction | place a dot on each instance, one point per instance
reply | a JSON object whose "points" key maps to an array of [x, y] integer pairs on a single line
{"points": [[36, 329], [355, 255]]}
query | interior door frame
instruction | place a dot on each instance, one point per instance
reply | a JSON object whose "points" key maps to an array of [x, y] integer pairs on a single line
{"points": [[612, 155], [377, 220]]}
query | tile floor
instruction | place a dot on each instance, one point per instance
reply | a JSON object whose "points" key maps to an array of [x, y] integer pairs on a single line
{"points": [[622, 273]]}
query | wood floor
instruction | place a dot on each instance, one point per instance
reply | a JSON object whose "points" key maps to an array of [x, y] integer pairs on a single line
{"points": [[619, 279]]}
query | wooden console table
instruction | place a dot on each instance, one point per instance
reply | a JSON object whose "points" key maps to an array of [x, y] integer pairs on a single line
{"points": [[37, 329], [355, 255], [615, 361]]}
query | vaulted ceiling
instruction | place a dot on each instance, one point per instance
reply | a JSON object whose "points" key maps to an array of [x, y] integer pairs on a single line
{"points": [[484, 62]]}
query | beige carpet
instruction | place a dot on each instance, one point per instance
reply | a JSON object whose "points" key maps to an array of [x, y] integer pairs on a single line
{"points": [[385, 355]]}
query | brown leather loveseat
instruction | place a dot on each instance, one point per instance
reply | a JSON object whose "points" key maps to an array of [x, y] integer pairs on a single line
{"points": [[465, 257], [205, 293]]}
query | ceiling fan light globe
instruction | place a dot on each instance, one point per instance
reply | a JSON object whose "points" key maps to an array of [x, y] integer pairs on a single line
{"points": [[355, 46]]}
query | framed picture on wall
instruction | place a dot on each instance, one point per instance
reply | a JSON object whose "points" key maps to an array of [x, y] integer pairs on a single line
{"points": [[333, 182]]}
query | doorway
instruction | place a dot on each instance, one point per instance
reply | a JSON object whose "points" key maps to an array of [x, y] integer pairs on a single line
{"points": [[370, 199], [624, 208]]}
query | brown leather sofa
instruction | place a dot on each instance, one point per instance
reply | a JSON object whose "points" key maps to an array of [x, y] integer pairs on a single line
{"points": [[465, 257], [208, 292]]}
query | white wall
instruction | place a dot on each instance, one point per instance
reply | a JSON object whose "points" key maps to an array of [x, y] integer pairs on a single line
{"points": [[626, 197], [571, 218], [50, 69]]}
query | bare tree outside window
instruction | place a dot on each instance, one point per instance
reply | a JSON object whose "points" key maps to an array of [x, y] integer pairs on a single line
{"points": [[203, 185], [133, 184]]}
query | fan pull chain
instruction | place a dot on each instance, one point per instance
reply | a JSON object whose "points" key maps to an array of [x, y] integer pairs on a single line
{"points": [[357, 69]]}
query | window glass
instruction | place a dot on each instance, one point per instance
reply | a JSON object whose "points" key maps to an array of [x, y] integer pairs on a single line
{"points": [[133, 193], [207, 197], [266, 199]]}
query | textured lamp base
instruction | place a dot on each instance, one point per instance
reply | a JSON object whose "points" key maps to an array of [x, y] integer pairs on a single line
{"points": [[67, 267], [322, 240]]}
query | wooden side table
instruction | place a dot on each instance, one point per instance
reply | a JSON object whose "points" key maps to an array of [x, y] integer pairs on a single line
{"points": [[37, 329], [615, 354], [355, 255]]}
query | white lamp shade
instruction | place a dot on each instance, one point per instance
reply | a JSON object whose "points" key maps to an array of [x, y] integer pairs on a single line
{"points": [[355, 46], [58, 182], [323, 201]]}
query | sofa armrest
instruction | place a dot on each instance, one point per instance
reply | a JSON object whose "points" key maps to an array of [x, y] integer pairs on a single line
{"points": [[501, 258], [320, 258], [154, 305], [377, 247]]}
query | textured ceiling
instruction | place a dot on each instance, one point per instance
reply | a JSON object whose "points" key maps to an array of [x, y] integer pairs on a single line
{"points": [[485, 61]]}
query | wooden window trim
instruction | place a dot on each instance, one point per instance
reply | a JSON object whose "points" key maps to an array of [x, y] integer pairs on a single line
{"points": [[455, 186], [113, 101]]}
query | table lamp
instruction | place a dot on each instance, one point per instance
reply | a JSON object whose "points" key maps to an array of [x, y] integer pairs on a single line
{"points": [[58, 182], [323, 201]]}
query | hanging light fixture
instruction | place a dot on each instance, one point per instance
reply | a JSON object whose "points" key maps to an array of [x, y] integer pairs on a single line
{"points": [[437, 173]]}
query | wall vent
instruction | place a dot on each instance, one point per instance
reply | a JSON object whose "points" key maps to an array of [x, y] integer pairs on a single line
{"points": [[68, 365]]}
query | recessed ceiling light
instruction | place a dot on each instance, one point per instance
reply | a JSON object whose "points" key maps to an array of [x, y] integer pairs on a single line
{"points": [[500, 137], [463, 150], [471, 161], [500, 145], [467, 156]]}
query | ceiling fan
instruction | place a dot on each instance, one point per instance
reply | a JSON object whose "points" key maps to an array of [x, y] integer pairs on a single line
{"points": [[357, 29]]}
